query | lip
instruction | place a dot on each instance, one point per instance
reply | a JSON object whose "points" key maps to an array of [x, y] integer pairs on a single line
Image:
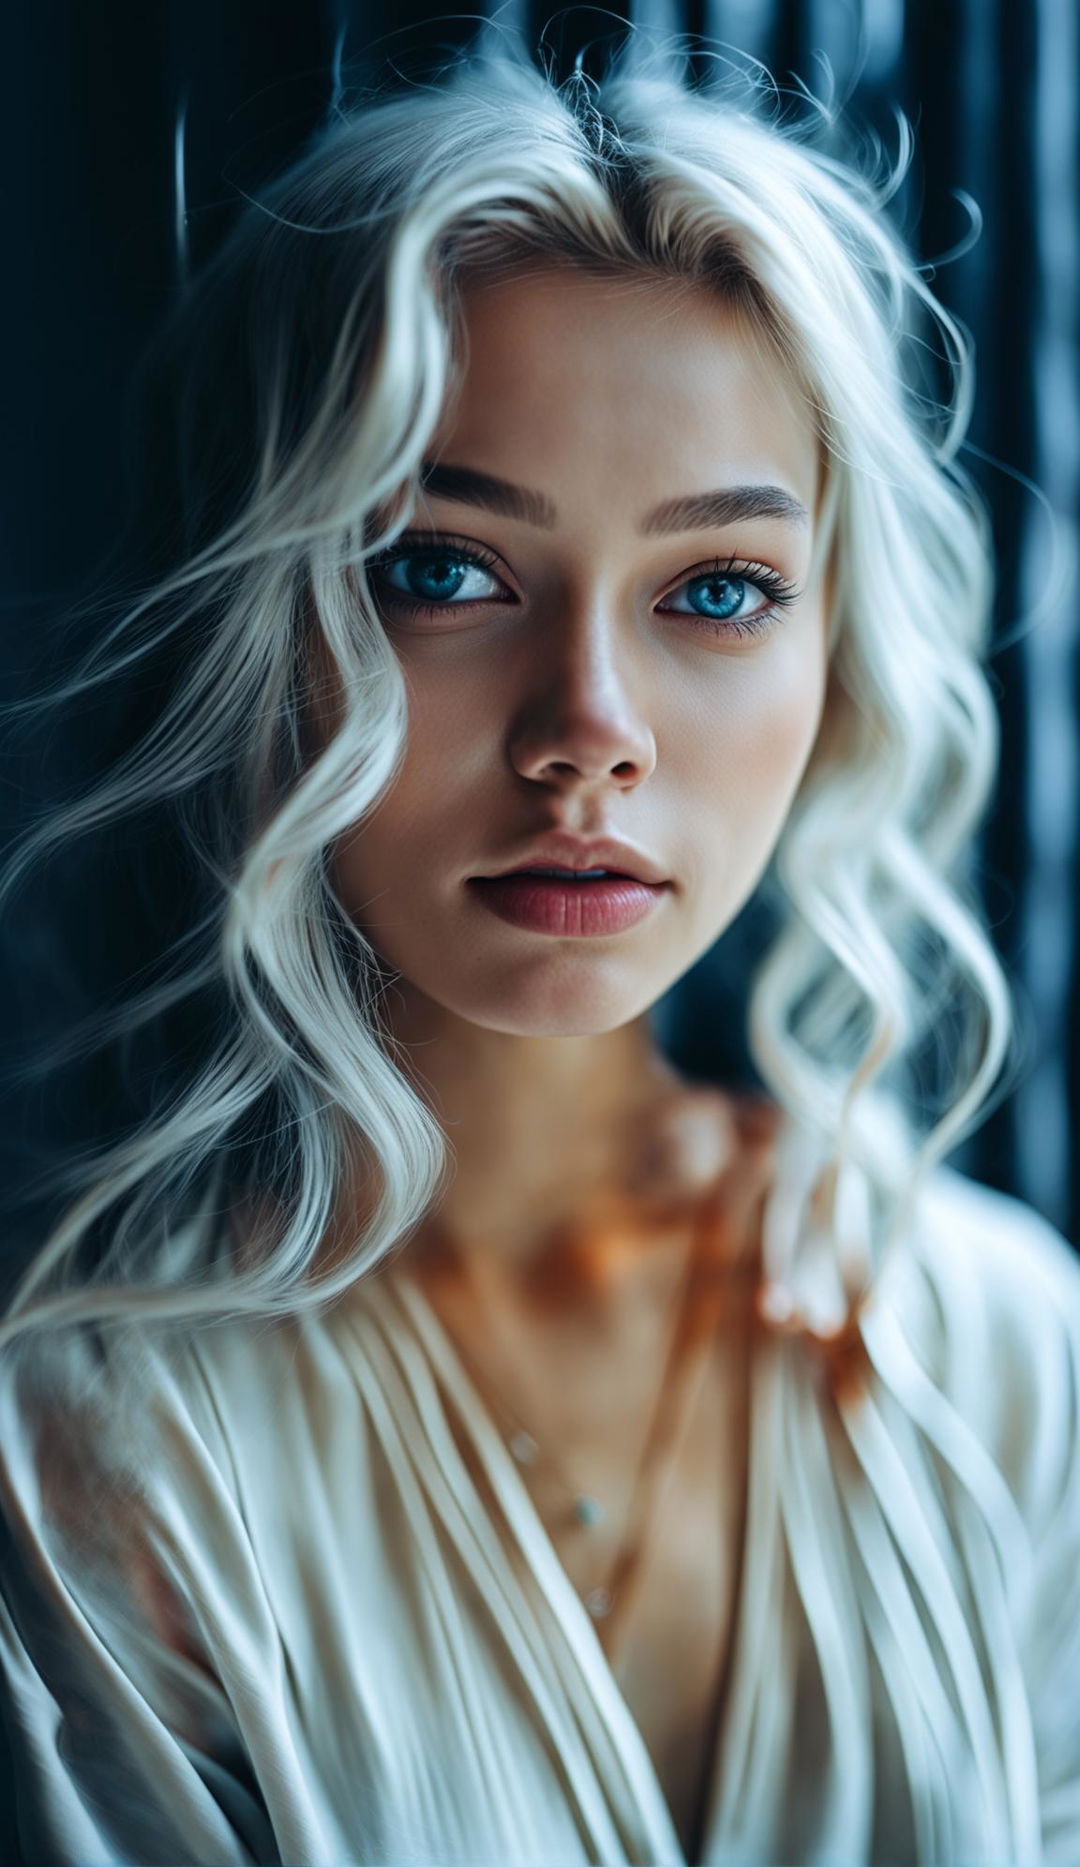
{"points": [[567, 910], [561, 850]]}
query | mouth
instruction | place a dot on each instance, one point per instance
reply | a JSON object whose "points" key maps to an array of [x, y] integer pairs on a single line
{"points": [[554, 874], [565, 904]]}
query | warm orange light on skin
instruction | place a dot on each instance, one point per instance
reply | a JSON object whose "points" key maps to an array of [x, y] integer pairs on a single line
{"points": [[574, 696]]}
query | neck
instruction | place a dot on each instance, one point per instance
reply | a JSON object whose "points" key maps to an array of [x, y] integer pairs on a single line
{"points": [[541, 1127]]}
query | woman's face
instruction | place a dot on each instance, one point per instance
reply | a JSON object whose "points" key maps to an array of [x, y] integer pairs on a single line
{"points": [[596, 674]]}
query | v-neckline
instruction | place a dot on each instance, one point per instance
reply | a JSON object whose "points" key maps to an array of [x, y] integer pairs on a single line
{"points": [[569, 1611]]}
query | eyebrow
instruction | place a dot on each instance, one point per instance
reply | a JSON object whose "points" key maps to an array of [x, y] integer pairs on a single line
{"points": [[693, 512]]}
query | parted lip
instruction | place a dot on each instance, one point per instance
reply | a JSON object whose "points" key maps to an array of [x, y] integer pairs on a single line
{"points": [[563, 851]]}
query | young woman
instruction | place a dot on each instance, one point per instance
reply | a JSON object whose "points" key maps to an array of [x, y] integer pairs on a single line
{"points": [[437, 1431]]}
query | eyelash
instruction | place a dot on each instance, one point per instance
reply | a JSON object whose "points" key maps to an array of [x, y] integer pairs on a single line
{"points": [[768, 581]]}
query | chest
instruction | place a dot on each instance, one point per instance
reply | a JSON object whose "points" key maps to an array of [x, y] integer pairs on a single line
{"points": [[670, 1655], [667, 1636]]}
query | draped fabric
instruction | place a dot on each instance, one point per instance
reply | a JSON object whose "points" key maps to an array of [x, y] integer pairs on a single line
{"points": [[289, 1625], [135, 131]]}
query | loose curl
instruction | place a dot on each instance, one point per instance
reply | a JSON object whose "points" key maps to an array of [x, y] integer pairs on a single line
{"points": [[287, 403]]}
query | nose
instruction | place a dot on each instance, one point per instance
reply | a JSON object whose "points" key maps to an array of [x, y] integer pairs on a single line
{"points": [[583, 721]]}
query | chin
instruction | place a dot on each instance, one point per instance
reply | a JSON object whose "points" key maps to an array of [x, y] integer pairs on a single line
{"points": [[563, 1009]]}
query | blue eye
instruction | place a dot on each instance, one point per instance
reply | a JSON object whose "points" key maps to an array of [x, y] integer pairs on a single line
{"points": [[440, 576], [443, 577], [723, 597], [434, 576], [720, 598]]}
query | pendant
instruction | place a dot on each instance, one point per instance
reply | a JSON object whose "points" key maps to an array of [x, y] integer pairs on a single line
{"points": [[588, 1510], [598, 1601]]}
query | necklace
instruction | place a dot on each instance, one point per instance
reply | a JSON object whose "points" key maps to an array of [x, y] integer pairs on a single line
{"points": [[703, 1283]]}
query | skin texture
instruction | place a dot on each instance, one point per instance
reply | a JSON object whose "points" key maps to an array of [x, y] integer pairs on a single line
{"points": [[587, 693], [584, 693]]}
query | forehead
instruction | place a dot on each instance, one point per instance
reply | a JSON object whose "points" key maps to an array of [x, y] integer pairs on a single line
{"points": [[568, 374]]}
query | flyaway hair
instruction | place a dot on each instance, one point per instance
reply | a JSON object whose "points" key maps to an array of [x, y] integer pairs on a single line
{"points": [[286, 405]]}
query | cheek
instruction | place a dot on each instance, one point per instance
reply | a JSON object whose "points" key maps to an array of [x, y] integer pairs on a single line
{"points": [[455, 729], [435, 801], [757, 739]]}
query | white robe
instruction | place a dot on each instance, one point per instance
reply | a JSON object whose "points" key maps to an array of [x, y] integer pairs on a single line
{"points": [[375, 1668]]}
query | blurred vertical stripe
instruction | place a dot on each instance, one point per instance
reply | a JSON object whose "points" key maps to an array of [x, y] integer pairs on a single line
{"points": [[109, 117], [1046, 1109], [991, 87]]}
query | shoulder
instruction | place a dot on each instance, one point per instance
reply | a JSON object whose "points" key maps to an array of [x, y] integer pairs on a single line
{"points": [[1004, 1232], [988, 1292], [996, 1266], [101, 1428]]}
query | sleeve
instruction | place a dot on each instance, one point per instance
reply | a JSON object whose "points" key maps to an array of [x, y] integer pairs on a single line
{"points": [[996, 1326], [124, 1742], [1051, 1644]]}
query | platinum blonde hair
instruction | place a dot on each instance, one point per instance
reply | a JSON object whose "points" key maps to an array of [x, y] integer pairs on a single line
{"points": [[307, 368]]}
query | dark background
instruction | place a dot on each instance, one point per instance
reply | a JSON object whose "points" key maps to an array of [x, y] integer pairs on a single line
{"points": [[95, 100]]}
